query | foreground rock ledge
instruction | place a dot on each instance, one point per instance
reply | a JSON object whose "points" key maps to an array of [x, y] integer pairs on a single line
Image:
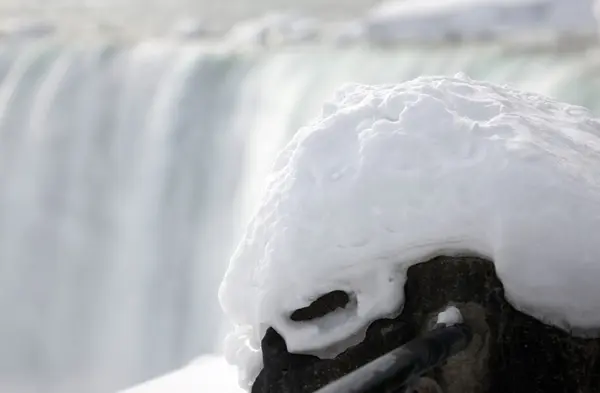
{"points": [[511, 352]]}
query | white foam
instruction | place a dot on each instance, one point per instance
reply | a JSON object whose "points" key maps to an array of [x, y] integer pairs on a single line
{"points": [[392, 175]]}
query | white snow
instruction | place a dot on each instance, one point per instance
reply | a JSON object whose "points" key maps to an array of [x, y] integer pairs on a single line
{"points": [[399, 20], [392, 175], [450, 316], [209, 374]]}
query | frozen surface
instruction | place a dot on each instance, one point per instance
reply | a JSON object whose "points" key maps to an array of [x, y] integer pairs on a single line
{"points": [[450, 316], [209, 374], [466, 19], [395, 174]]}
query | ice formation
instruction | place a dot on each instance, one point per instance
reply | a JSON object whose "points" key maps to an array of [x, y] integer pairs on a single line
{"points": [[392, 175]]}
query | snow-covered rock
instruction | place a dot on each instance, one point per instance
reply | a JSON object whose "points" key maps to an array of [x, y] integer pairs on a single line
{"points": [[391, 175], [507, 347]]}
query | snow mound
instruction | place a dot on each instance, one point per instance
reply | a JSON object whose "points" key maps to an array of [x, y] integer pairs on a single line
{"points": [[435, 20], [209, 374], [392, 175]]}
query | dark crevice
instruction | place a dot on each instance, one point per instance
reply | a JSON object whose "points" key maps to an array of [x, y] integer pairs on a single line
{"points": [[324, 305]]}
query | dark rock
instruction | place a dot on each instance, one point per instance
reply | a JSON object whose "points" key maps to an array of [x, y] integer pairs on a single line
{"points": [[510, 352]]}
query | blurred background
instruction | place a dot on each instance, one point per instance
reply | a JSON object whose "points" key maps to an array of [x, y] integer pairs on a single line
{"points": [[135, 138]]}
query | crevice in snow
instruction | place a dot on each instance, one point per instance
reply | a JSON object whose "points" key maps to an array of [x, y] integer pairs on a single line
{"points": [[323, 306]]}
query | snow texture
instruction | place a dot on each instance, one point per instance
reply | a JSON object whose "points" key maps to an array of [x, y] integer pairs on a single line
{"points": [[209, 374], [450, 316], [392, 175]]}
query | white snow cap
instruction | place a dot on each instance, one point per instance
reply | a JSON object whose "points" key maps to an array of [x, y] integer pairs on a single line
{"points": [[450, 316], [393, 175]]}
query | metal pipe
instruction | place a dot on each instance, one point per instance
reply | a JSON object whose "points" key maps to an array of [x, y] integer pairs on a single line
{"points": [[400, 367]]}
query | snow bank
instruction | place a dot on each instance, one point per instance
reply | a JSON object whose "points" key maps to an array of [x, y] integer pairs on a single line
{"points": [[209, 374], [392, 175], [472, 19]]}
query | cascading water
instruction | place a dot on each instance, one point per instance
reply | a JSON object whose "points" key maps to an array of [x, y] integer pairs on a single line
{"points": [[127, 174]]}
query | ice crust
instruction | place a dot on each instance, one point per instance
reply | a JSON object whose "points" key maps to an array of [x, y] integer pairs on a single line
{"points": [[392, 175]]}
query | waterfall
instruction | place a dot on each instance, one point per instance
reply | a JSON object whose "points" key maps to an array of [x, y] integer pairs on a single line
{"points": [[127, 174]]}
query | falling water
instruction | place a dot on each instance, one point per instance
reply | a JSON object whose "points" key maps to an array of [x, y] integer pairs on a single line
{"points": [[127, 174]]}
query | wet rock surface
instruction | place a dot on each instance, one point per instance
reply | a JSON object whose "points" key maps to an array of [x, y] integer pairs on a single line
{"points": [[510, 351]]}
